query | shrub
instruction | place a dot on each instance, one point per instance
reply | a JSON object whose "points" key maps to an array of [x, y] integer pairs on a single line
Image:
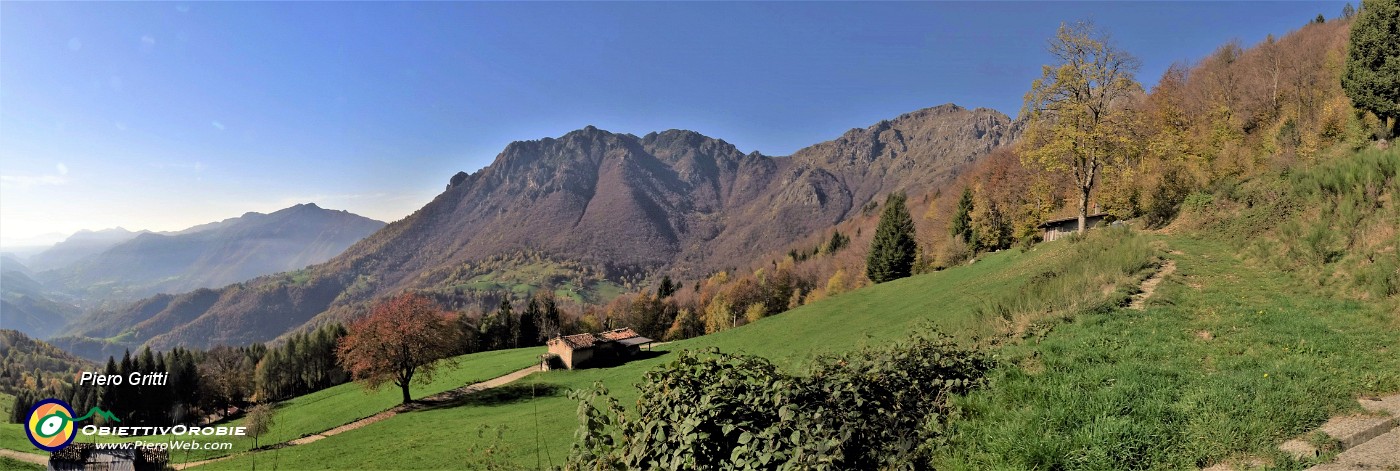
{"points": [[1197, 201], [873, 409]]}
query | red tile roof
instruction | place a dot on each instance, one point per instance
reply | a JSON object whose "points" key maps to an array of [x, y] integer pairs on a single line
{"points": [[622, 335], [577, 340], [619, 334]]}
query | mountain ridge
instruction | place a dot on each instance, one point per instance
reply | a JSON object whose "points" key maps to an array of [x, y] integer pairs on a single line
{"points": [[673, 201]]}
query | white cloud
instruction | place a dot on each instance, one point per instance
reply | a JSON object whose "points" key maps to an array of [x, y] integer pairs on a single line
{"points": [[217, 125], [26, 181]]}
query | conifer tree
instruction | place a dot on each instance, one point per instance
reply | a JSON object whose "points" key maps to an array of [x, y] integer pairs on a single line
{"points": [[530, 324], [961, 226], [667, 287], [893, 250], [1372, 75]]}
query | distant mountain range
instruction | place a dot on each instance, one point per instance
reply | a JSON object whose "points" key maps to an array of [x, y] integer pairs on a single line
{"points": [[674, 201], [120, 266], [78, 246], [26, 306], [214, 254]]}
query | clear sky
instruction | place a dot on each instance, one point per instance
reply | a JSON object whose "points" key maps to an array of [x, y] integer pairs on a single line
{"points": [[165, 115]]}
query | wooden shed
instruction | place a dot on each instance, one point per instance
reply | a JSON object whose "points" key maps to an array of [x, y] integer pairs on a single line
{"points": [[1059, 228], [580, 350]]}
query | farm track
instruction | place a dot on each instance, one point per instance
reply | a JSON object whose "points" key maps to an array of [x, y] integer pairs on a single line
{"points": [[25, 457], [1149, 286]]}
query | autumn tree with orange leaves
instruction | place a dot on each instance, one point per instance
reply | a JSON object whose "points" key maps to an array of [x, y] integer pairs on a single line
{"points": [[401, 340]]}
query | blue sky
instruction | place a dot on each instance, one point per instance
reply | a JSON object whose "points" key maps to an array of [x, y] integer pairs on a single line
{"points": [[165, 115]]}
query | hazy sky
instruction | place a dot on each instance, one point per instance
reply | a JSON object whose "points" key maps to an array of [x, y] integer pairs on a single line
{"points": [[165, 115]]}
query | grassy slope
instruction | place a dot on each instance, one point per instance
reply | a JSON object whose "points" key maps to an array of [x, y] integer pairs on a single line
{"points": [[338, 405], [1107, 390], [1228, 361], [541, 430], [1230, 358], [6, 403], [17, 465]]}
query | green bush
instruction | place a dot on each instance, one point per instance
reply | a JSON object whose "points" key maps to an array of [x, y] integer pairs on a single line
{"points": [[1197, 201], [872, 409]]}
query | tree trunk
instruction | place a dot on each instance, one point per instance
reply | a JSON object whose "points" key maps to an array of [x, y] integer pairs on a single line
{"points": [[405, 378], [1085, 187], [1083, 208]]}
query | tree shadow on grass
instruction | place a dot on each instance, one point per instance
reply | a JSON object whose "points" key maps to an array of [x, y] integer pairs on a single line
{"points": [[500, 395]]}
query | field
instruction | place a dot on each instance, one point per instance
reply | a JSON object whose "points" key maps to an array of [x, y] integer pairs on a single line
{"points": [[532, 424], [6, 402], [1227, 360], [17, 465], [338, 405]]}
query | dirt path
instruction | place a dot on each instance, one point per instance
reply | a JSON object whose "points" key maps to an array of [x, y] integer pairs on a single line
{"points": [[25, 457], [446, 396], [1149, 286]]}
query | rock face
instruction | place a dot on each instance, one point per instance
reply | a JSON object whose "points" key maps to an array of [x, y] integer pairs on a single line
{"points": [[682, 201], [674, 200]]}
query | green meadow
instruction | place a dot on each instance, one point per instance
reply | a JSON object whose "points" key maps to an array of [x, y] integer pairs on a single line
{"points": [[532, 422], [17, 465], [332, 407], [1228, 359]]}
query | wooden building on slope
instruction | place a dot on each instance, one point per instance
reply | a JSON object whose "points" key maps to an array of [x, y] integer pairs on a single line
{"points": [[1060, 228], [582, 350]]}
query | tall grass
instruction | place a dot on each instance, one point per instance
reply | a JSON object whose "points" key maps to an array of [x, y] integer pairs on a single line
{"points": [[1348, 229], [1098, 272], [1227, 362], [1335, 225]]}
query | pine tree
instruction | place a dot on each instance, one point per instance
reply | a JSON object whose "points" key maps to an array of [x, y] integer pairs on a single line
{"points": [[837, 242], [550, 322], [961, 226], [530, 324], [667, 287], [1372, 75], [507, 330], [893, 250]]}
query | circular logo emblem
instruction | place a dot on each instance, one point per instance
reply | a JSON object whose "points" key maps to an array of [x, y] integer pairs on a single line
{"points": [[50, 425]]}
